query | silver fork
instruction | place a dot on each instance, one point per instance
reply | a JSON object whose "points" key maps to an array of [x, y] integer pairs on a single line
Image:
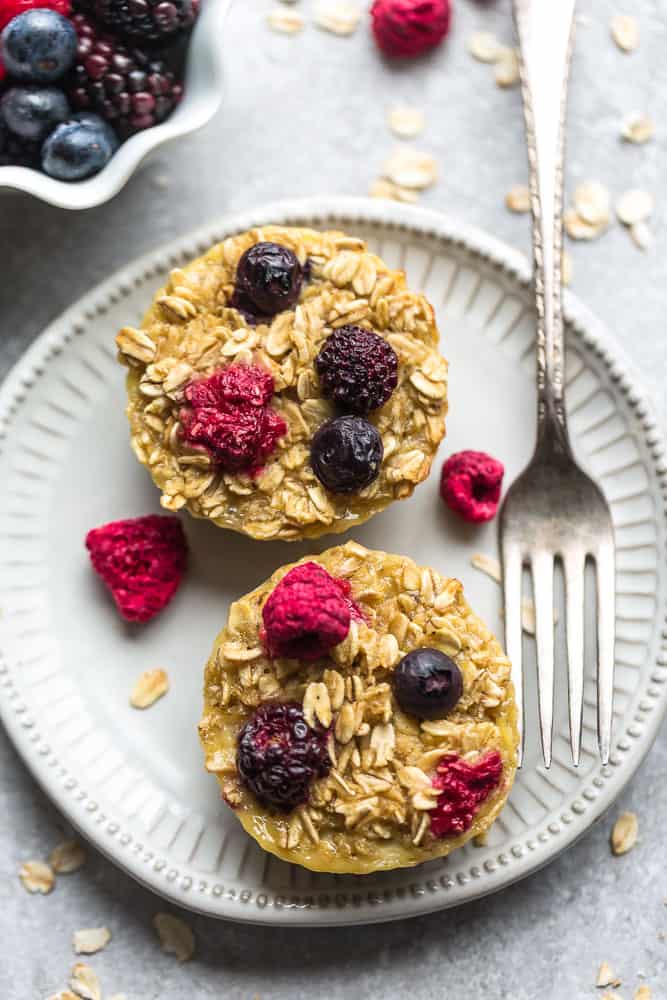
{"points": [[554, 512]]}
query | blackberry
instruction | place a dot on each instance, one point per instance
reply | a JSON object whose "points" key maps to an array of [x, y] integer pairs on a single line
{"points": [[145, 20], [268, 280], [346, 454], [358, 369], [279, 755], [131, 88], [427, 683]]}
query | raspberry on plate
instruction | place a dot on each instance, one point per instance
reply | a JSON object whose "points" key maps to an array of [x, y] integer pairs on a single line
{"points": [[288, 302], [470, 485], [141, 560], [395, 746], [405, 28]]}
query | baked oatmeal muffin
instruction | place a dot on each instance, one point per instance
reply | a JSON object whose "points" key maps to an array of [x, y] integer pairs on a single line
{"points": [[358, 716], [286, 384]]}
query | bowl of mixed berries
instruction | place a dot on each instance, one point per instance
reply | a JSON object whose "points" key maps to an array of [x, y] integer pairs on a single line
{"points": [[89, 87]]}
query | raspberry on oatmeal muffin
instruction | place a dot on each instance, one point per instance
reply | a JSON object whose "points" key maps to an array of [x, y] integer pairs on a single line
{"points": [[391, 747], [286, 384]]}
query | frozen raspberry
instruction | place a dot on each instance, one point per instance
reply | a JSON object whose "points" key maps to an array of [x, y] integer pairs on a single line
{"points": [[358, 369], [279, 755], [306, 614], [463, 787], [229, 415], [405, 28], [470, 484], [141, 560], [12, 8]]}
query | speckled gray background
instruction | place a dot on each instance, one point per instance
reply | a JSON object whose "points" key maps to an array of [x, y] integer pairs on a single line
{"points": [[306, 115]]}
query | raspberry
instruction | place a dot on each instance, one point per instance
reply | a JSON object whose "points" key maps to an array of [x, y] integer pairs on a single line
{"points": [[279, 755], [463, 787], [306, 614], [405, 28], [141, 560], [12, 8], [358, 369], [470, 484], [229, 415]]}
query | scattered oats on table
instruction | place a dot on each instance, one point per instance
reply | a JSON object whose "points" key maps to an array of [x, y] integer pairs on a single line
{"points": [[484, 47], [382, 188], [641, 235], [150, 686], [642, 993], [517, 198], [591, 203], [175, 936], [287, 22], [566, 268], [90, 940], [606, 976], [67, 857], [634, 206], [638, 128], [404, 121], [340, 17], [625, 32], [624, 833], [84, 982], [507, 68], [37, 876], [578, 229], [410, 168]]}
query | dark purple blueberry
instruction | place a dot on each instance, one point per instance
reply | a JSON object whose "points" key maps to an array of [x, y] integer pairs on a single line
{"points": [[358, 369], [38, 46], [77, 149], [346, 454], [17, 152], [268, 279], [427, 683], [279, 755], [30, 111]]}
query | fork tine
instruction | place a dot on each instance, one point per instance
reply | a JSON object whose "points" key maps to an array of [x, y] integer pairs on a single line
{"points": [[573, 570], [543, 586], [512, 568], [606, 595]]}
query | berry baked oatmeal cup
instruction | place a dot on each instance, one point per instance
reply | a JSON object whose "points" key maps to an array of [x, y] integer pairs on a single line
{"points": [[358, 716], [285, 385]]}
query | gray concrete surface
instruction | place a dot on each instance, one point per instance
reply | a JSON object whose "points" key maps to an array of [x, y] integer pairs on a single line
{"points": [[303, 116]]}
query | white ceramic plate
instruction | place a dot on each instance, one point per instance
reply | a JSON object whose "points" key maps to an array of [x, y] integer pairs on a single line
{"points": [[203, 95], [133, 782]]}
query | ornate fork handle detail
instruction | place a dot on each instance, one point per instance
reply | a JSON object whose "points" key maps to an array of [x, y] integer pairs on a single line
{"points": [[545, 29]]}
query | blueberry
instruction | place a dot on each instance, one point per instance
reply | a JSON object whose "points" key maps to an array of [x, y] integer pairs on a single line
{"points": [[268, 279], [346, 454], [31, 111], [427, 683], [90, 118], [77, 149], [39, 46]]}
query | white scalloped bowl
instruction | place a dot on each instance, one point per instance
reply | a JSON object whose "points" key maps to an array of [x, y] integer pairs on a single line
{"points": [[203, 95]]}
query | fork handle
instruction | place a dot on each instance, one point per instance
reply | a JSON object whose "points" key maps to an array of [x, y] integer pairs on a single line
{"points": [[545, 32]]}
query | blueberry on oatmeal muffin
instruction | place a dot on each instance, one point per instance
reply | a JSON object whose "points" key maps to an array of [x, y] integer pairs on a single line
{"points": [[286, 384], [358, 715]]}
